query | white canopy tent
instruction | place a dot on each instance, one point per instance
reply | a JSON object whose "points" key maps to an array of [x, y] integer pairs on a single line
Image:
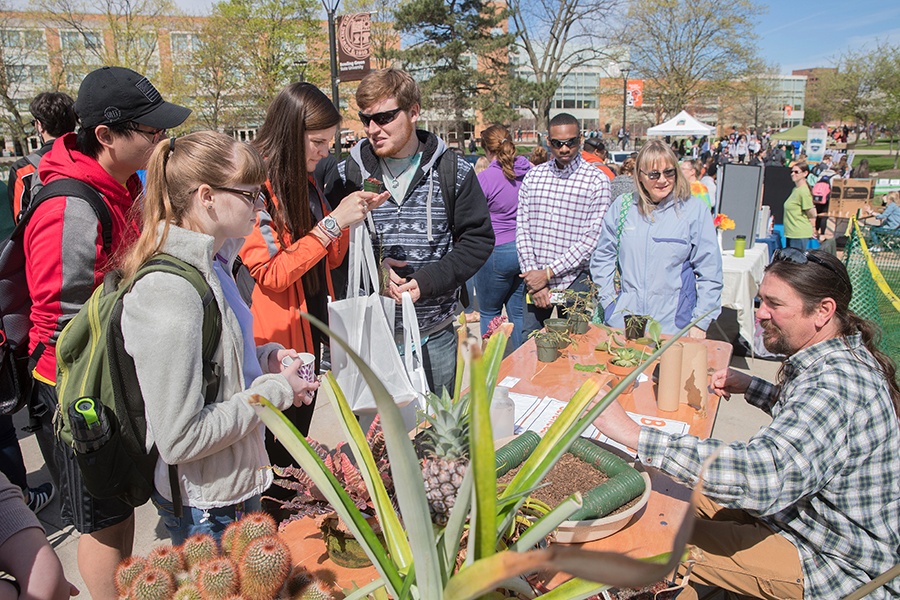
{"points": [[682, 124]]}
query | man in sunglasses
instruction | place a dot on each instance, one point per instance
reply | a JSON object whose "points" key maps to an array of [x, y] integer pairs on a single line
{"points": [[809, 507], [561, 208], [434, 232], [69, 242]]}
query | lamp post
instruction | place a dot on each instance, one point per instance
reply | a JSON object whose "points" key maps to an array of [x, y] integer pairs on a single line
{"points": [[624, 70], [301, 69], [331, 7]]}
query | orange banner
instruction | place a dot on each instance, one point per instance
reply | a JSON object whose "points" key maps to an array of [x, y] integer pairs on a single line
{"points": [[635, 89]]}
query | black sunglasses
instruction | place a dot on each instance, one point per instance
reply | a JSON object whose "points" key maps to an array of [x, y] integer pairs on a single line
{"points": [[381, 118], [800, 257], [654, 175], [571, 142], [255, 199]]}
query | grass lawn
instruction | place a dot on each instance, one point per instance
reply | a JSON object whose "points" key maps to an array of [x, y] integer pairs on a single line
{"points": [[876, 163], [878, 144]]}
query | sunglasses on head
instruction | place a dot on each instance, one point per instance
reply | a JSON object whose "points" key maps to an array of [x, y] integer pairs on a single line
{"points": [[571, 143], [654, 175], [380, 118], [800, 257]]}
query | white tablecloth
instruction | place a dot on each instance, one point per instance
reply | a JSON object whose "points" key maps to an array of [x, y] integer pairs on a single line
{"points": [[741, 278]]}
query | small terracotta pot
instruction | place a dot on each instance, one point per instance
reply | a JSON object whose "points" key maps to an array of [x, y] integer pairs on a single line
{"points": [[620, 373]]}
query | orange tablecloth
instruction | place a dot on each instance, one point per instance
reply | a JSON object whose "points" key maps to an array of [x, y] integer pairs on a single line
{"points": [[650, 532]]}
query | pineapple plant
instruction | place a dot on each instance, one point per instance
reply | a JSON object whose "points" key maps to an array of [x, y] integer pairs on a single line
{"points": [[446, 447]]}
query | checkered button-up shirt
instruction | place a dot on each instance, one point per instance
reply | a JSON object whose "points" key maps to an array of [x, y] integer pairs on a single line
{"points": [[559, 218], [825, 474]]}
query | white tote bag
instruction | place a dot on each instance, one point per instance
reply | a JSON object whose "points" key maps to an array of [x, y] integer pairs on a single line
{"points": [[365, 320]]}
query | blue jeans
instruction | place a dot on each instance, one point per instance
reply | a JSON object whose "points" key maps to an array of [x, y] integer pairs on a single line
{"points": [[196, 520], [798, 243], [439, 360], [890, 231], [499, 284]]}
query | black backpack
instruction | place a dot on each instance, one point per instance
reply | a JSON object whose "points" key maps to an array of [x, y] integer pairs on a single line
{"points": [[15, 300]]}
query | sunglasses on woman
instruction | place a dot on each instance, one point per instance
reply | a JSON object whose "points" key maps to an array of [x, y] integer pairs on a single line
{"points": [[255, 199], [800, 257], [654, 175], [380, 118]]}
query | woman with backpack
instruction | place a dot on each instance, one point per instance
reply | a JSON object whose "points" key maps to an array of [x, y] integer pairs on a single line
{"points": [[203, 192], [298, 238]]}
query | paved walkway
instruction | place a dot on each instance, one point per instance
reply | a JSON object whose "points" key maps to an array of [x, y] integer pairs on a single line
{"points": [[736, 420]]}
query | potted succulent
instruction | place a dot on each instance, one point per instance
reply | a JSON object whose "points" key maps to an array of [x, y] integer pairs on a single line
{"points": [[549, 342], [635, 326], [580, 309], [561, 327], [419, 558]]}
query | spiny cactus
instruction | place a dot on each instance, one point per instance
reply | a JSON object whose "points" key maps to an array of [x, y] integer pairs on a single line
{"points": [[254, 525], [188, 592], [302, 585], [167, 558], [264, 565], [153, 584], [228, 537], [199, 548], [217, 578], [127, 571]]}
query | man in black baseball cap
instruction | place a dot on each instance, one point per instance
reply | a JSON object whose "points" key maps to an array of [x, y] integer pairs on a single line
{"points": [[68, 248], [116, 95]]}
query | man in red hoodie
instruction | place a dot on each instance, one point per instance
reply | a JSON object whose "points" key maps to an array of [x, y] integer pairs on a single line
{"points": [[122, 118]]}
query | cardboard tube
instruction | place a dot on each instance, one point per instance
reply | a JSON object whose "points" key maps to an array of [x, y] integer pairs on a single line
{"points": [[667, 390], [694, 375]]}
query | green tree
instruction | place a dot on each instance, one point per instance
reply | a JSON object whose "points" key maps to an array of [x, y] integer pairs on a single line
{"points": [[383, 37], [553, 38], [261, 40], [23, 71], [753, 100], [689, 50], [456, 51], [118, 32]]}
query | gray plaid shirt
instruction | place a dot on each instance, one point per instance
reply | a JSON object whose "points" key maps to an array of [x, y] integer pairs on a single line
{"points": [[825, 474]]}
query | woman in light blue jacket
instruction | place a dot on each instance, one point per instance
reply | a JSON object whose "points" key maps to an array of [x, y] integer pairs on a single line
{"points": [[664, 243]]}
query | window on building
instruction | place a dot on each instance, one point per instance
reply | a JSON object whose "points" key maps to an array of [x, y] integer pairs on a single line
{"points": [[80, 40], [28, 75], [183, 46], [26, 39]]}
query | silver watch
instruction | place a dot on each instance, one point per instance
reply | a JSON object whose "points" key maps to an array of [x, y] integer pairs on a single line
{"points": [[331, 226]]}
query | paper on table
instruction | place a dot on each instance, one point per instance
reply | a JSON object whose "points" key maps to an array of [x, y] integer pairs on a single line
{"points": [[666, 425]]}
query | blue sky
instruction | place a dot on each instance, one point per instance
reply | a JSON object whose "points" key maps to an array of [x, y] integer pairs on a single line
{"points": [[798, 34], [793, 34]]}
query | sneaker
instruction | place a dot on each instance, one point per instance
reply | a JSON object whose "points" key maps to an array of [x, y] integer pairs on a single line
{"points": [[40, 497]]}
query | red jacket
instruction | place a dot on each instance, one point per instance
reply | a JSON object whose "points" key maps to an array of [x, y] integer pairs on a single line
{"points": [[598, 162], [278, 298], [63, 261]]}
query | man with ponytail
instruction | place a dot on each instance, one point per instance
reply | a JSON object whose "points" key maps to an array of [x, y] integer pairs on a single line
{"points": [[810, 506], [70, 243]]}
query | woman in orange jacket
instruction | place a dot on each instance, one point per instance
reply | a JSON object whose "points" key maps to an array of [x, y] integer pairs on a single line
{"points": [[297, 239]]}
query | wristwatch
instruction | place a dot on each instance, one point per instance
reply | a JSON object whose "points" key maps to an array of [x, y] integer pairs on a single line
{"points": [[331, 226]]}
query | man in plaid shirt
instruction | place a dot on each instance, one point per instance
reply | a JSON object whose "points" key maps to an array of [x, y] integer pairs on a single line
{"points": [[810, 506], [558, 223]]}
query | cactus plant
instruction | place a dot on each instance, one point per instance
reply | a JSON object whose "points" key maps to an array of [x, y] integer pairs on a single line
{"points": [[263, 568], [217, 579], [167, 558], [199, 548], [188, 592], [127, 571], [227, 538], [154, 583], [253, 525]]}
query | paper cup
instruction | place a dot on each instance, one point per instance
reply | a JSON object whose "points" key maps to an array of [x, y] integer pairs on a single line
{"points": [[308, 365]]}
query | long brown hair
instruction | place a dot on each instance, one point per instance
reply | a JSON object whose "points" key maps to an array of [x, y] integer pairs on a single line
{"points": [[497, 140], [177, 167], [813, 283], [298, 108]]}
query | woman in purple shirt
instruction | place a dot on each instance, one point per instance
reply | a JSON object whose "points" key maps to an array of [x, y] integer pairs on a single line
{"points": [[498, 282]]}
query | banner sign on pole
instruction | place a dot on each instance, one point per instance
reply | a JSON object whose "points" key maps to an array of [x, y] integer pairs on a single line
{"points": [[354, 46], [635, 89], [815, 145]]}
